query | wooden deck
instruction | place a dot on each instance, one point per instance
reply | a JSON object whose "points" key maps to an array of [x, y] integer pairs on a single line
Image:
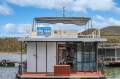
{"points": [[72, 75]]}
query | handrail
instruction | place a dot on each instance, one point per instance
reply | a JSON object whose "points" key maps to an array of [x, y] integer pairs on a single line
{"points": [[89, 36], [94, 34], [109, 59], [113, 45]]}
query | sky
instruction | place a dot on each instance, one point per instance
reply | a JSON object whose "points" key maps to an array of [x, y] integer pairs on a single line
{"points": [[16, 15]]}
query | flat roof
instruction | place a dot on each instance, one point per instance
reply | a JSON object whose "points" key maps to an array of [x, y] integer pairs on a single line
{"points": [[61, 39], [65, 20]]}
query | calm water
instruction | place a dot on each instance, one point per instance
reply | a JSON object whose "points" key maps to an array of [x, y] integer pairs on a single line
{"points": [[113, 73], [12, 56], [10, 73]]}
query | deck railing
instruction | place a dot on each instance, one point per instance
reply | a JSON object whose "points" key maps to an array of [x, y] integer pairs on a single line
{"points": [[110, 59], [109, 45], [89, 36]]}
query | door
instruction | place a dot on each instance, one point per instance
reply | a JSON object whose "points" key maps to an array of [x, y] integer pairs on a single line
{"points": [[41, 57], [51, 56], [67, 53], [31, 57]]}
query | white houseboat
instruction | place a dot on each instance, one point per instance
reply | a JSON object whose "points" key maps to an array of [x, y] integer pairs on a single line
{"points": [[61, 53]]}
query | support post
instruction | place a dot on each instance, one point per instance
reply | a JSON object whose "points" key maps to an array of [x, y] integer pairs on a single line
{"points": [[96, 51], [26, 53], [21, 65], [91, 46], [83, 56], [91, 24], [36, 57], [56, 53], [46, 56], [116, 53]]}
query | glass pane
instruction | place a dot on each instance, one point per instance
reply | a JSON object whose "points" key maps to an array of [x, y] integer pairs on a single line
{"points": [[86, 57]]}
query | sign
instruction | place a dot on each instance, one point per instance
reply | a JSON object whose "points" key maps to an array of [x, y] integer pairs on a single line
{"points": [[44, 31]]}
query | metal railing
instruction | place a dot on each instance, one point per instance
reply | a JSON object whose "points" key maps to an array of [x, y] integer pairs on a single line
{"points": [[110, 59], [109, 45], [89, 36], [93, 34]]}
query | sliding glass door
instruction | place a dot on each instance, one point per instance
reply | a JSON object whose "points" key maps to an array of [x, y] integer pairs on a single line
{"points": [[86, 56]]}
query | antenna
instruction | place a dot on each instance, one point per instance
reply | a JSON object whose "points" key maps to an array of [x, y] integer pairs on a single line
{"points": [[63, 11]]}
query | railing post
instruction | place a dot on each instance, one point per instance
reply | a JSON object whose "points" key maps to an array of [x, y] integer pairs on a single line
{"points": [[115, 53]]}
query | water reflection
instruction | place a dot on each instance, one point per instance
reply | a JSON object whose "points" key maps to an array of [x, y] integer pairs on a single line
{"points": [[12, 56], [8, 72], [112, 72]]}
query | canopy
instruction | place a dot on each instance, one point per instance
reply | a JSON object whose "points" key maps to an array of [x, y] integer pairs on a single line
{"points": [[65, 20]]}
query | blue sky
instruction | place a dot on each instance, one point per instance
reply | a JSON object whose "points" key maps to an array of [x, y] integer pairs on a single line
{"points": [[15, 14]]}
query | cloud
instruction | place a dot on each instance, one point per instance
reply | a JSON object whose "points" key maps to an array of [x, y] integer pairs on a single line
{"points": [[5, 10], [74, 5], [101, 5], [11, 29], [100, 21]]}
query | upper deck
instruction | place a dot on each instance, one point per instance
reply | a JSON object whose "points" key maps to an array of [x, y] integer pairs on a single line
{"points": [[43, 29]]}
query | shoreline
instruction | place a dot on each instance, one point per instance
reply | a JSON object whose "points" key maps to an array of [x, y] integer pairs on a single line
{"points": [[12, 53]]}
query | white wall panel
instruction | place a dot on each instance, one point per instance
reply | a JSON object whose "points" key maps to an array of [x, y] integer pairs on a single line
{"points": [[51, 56], [31, 57], [41, 56]]}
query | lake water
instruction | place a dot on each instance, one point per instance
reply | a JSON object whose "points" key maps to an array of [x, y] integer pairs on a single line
{"points": [[113, 72], [10, 72], [12, 56]]}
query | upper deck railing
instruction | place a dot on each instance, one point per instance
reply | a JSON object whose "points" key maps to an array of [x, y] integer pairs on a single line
{"points": [[90, 33], [109, 45], [84, 22]]}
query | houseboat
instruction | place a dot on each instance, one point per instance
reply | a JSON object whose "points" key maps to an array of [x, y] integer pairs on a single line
{"points": [[109, 53], [61, 53]]}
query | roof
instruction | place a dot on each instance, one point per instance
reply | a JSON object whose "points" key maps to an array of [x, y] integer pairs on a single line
{"points": [[62, 39], [65, 20]]}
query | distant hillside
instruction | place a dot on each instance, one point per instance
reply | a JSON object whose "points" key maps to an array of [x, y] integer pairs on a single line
{"points": [[10, 45], [112, 33], [88, 31]]}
